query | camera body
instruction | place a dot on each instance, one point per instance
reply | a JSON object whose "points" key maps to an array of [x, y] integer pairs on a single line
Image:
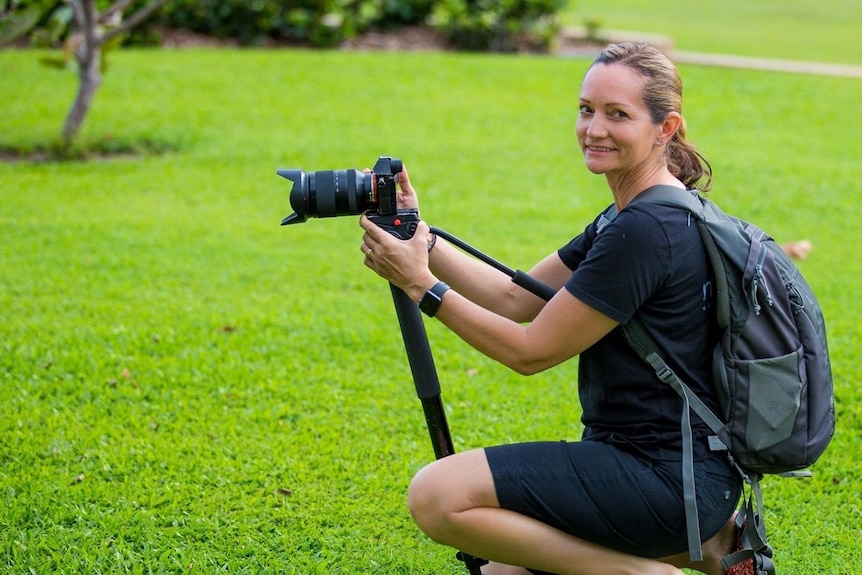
{"points": [[385, 175], [332, 193]]}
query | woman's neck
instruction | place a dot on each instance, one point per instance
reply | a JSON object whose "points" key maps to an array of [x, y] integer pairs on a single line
{"points": [[625, 187]]}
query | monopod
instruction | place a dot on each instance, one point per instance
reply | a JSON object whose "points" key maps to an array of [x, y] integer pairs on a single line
{"points": [[422, 362]]}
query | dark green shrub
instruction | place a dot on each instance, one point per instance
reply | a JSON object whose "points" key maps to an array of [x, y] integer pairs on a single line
{"points": [[400, 12], [317, 22], [481, 25], [499, 25], [247, 22]]}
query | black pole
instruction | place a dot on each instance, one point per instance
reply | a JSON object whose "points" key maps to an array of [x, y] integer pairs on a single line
{"points": [[422, 362], [427, 388]]}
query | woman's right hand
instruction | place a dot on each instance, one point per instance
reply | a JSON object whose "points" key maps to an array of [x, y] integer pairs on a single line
{"points": [[407, 198]]}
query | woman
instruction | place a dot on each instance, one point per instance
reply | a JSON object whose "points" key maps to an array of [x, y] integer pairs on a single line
{"points": [[611, 503]]}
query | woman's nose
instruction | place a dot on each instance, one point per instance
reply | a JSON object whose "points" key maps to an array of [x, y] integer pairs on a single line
{"points": [[595, 128]]}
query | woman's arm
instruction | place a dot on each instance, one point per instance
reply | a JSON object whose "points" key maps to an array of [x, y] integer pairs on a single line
{"points": [[477, 281], [563, 327], [491, 288]]}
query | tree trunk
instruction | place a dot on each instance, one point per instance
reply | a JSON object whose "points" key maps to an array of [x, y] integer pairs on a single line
{"points": [[90, 77], [90, 41]]}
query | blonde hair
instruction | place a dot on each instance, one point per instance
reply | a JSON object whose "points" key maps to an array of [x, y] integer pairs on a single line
{"points": [[662, 94]]}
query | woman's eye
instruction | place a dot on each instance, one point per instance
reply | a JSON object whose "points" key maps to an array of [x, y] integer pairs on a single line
{"points": [[585, 110], [618, 114]]}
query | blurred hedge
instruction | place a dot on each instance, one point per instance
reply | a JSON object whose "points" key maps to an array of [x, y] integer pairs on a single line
{"points": [[481, 25]]}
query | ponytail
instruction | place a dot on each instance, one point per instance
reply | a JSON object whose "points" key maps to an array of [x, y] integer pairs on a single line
{"points": [[686, 163]]}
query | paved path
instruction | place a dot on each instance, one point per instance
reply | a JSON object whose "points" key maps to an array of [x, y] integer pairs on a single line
{"points": [[744, 62], [572, 43], [793, 66]]}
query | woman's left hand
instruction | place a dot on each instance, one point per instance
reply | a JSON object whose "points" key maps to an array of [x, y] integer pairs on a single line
{"points": [[404, 263]]}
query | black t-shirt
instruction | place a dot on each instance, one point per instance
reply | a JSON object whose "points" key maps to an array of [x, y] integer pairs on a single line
{"points": [[649, 260]]}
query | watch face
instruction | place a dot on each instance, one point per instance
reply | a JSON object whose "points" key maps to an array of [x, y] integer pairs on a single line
{"points": [[430, 302]]}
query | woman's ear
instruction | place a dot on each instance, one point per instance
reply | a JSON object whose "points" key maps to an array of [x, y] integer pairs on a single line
{"points": [[671, 125]]}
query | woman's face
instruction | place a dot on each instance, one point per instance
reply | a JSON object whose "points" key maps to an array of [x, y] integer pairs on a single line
{"points": [[614, 127]]}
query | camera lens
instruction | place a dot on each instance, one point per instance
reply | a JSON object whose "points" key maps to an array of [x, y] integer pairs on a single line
{"points": [[338, 192], [328, 193]]}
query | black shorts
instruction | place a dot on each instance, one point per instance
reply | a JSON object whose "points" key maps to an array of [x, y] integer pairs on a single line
{"points": [[612, 496]]}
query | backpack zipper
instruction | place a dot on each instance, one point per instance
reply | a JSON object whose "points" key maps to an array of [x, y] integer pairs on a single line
{"points": [[760, 279]]}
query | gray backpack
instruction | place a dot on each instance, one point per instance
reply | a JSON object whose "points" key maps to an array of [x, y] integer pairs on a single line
{"points": [[771, 366]]}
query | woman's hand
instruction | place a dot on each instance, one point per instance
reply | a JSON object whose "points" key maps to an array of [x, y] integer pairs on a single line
{"points": [[407, 199], [405, 195], [404, 263]]}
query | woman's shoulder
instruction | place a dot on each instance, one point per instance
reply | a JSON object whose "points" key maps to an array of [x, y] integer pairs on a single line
{"points": [[653, 216]]}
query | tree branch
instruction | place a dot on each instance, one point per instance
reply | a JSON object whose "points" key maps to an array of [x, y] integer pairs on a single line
{"points": [[134, 20], [118, 6], [77, 15]]}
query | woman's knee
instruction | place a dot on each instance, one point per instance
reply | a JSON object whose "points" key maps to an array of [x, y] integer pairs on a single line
{"points": [[421, 499], [448, 486]]}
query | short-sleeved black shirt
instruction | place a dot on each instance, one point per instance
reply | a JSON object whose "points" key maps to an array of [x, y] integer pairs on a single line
{"points": [[649, 260]]}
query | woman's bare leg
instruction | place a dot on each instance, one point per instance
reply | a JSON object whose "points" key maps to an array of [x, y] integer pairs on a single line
{"points": [[721, 544], [501, 569], [454, 502]]}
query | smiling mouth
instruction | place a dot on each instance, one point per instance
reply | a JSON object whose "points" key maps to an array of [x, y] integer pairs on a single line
{"points": [[598, 149]]}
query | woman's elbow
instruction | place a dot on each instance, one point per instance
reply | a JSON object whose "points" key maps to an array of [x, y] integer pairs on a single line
{"points": [[526, 370], [530, 366]]}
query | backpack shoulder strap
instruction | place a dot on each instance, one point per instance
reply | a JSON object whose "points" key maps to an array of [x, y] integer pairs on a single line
{"points": [[663, 195], [672, 196], [703, 210], [646, 347]]}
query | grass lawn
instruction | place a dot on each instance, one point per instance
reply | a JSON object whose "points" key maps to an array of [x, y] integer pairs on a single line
{"points": [[792, 29], [186, 387]]}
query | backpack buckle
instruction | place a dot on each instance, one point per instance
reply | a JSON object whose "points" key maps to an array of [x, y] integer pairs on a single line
{"points": [[716, 444], [666, 374]]}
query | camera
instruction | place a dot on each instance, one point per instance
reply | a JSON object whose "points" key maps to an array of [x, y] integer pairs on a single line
{"points": [[331, 193]]}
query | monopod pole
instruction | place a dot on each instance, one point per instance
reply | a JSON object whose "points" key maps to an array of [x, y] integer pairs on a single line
{"points": [[422, 362], [427, 388]]}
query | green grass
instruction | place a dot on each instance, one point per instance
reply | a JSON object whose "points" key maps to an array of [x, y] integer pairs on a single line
{"points": [[792, 29], [186, 387]]}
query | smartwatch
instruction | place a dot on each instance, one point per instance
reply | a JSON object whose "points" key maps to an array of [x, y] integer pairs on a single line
{"points": [[430, 302]]}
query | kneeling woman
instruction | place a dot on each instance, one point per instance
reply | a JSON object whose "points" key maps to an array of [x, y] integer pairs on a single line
{"points": [[613, 502]]}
